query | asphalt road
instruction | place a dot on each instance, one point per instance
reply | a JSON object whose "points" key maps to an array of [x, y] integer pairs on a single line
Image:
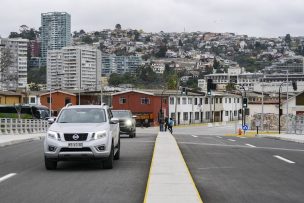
{"points": [[234, 169], [75, 181]]}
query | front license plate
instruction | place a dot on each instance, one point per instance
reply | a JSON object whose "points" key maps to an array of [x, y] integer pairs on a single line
{"points": [[75, 145]]}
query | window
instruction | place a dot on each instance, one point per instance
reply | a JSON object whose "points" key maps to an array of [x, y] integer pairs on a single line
{"points": [[196, 116], [178, 100], [238, 100], [235, 113], [190, 101], [206, 100], [216, 100], [171, 100], [221, 100], [207, 115], [122, 100], [225, 100], [49, 100], [201, 101], [195, 101], [33, 100], [67, 100], [185, 116], [229, 100], [145, 100], [184, 100], [165, 100], [226, 113]]}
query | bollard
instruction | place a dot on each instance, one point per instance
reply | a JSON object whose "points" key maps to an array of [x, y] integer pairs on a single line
{"points": [[240, 131]]}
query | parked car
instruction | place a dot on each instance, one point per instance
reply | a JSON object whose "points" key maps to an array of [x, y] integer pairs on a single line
{"points": [[83, 132], [127, 123]]}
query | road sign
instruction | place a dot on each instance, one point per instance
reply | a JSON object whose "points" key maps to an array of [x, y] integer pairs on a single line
{"points": [[257, 123], [245, 127]]}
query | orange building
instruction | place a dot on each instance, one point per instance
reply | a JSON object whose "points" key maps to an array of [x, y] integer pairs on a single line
{"points": [[58, 100], [144, 105]]}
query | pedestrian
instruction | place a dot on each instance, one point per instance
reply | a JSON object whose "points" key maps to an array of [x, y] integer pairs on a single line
{"points": [[170, 125], [166, 123], [147, 122], [161, 124]]}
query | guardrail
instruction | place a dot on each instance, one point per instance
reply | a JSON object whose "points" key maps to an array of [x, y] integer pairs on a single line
{"points": [[22, 126]]}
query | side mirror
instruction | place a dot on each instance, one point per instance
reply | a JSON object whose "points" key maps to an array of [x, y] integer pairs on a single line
{"points": [[51, 120], [114, 121]]}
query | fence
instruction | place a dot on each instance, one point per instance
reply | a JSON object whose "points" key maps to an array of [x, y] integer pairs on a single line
{"points": [[22, 126], [271, 123]]}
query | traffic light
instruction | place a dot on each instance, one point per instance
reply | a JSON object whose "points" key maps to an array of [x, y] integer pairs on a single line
{"points": [[245, 102], [184, 91], [209, 86], [294, 85]]}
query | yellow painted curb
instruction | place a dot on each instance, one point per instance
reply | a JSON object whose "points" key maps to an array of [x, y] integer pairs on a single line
{"points": [[148, 182]]}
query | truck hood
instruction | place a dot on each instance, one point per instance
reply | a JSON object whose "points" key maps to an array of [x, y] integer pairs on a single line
{"points": [[78, 127]]}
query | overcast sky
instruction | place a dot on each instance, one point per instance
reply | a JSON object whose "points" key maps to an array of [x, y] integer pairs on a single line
{"points": [[270, 18]]}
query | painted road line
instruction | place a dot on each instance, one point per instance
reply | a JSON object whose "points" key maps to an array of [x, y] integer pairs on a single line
{"points": [[7, 176], [231, 140], [250, 145], [219, 137], [241, 137], [283, 159], [193, 135]]}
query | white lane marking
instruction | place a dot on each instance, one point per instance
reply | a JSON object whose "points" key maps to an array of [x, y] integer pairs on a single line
{"points": [[193, 135], [250, 145], [242, 146], [7, 176], [241, 137], [231, 140], [219, 137], [283, 159]]}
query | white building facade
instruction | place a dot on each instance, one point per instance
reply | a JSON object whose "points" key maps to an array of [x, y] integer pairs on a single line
{"points": [[202, 109], [15, 76], [74, 68]]}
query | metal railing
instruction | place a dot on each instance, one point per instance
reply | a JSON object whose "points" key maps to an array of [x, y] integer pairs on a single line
{"points": [[22, 126]]}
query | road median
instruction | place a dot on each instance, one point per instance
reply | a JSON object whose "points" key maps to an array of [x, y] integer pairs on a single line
{"points": [[169, 177]]}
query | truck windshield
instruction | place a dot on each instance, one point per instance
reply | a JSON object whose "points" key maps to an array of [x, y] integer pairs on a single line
{"points": [[82, 115], [121, 114]]}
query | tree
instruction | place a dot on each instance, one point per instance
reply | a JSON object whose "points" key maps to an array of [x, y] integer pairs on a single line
{"points": [[230, 87], [118, 27], [287, 39], [115, 79], [161, 52], [87, 39]]}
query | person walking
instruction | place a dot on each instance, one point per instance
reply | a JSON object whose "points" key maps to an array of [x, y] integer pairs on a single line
{"points": [[166, 123], [161, 124], [170, 125]]}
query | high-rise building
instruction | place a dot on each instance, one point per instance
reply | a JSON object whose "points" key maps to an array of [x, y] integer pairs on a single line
{"points": [[15, 75], [74, 68], [55, 33], [119, 64]]}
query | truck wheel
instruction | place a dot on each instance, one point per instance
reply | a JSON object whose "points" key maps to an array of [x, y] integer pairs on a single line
{"points": [[50, 164], [117, 155], [108, 164]]}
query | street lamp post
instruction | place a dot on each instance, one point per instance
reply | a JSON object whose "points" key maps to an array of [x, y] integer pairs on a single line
{"points": [[243, 108], [280, 107]]}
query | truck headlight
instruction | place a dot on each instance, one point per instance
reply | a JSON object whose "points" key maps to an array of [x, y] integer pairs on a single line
{"points": [[52, 135], [128, 122], [100, 134]]}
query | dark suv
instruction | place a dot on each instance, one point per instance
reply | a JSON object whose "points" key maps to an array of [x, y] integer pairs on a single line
{"points": [[126, 122]]}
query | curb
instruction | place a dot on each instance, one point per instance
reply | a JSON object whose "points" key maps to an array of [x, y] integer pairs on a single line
{"points": [[12, 142], [282, 138]]}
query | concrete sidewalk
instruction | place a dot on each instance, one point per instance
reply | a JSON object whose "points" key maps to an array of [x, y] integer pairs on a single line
{"points": [[14, 139], [284, 136], [169, 178]]}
